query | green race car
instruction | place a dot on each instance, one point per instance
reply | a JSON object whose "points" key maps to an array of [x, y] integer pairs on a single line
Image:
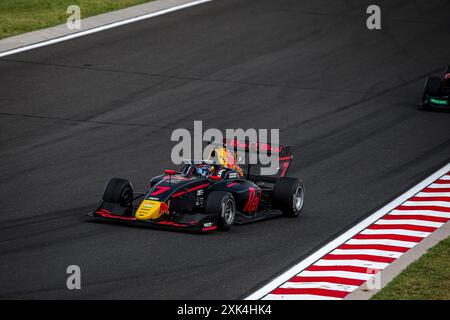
{"points": [[436, 94]]}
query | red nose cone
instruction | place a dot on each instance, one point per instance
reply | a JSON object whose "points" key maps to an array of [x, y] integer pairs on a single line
{"points": [[215, 178], [170, 172]]}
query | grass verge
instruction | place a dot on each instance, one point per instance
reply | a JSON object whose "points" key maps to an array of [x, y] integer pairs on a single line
{"points": [[20, 16], [428, 278]]}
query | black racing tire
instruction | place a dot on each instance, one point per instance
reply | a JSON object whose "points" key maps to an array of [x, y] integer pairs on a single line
{"points": [[433, 86], [222, 204], [288, 196], [119, 191]]}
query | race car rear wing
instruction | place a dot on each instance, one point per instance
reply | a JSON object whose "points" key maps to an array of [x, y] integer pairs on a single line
{"points": [[284, 152]]}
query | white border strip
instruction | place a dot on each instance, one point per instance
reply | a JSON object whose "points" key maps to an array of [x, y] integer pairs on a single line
{"points": [[101, 28], [278, 281]]}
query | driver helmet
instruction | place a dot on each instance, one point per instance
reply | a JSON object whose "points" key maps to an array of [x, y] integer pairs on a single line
{"points": [[225, 157], [202, 170]]}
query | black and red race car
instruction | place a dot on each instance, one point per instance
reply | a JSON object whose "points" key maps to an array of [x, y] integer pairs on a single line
{"points": [[436, 94], [208, 194]]}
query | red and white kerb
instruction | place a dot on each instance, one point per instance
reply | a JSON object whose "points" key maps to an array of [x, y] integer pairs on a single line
{"points": [[348, 266]]}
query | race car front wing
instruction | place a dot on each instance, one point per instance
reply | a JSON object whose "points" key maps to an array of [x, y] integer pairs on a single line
{"points": [[200, 222]]}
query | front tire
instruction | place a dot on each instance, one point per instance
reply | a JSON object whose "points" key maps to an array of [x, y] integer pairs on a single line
{"points": [[223, 205], [119, 191], [288, 196], [433, 87]]}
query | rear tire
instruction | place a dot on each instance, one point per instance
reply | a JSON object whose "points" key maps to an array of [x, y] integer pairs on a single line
{"points": [[223, 205], [288, 196], [433, 87], [119, 191]]}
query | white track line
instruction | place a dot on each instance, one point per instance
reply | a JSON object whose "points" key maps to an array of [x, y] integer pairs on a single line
{"points": [[319, 285], [101, 28], [399, 232], [372, 252], [422, 212], [438, 186], [353, 263], [409, 222], [339, 274], [298, 297], [296, 269], [433, 194], [386, 242], [426, 203]]}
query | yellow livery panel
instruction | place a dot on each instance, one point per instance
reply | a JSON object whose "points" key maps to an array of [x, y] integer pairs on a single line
{"points": [[150, 210]]}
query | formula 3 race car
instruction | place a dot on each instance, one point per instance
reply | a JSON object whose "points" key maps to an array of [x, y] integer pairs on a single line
{"points": [[207, 195], [436, 94]]}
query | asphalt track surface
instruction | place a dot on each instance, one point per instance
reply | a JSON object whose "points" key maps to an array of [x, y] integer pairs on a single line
{"points": [[78, 112]]}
